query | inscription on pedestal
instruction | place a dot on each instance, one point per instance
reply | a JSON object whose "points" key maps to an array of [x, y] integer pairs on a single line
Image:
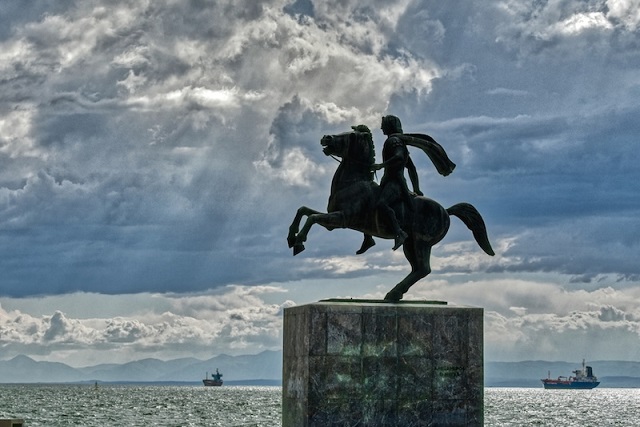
{"points": [[370, 364]]}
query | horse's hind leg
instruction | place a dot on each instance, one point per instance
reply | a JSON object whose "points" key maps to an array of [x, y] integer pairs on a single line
{"points": [[295, 225], [418, 254]]}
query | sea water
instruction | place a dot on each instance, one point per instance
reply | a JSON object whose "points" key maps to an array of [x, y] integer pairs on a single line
{"points": [[540, 407], [229, 406], [128, 405]]}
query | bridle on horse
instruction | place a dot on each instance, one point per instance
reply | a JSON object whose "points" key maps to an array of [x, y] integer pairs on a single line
{"points": [[337, 159]]}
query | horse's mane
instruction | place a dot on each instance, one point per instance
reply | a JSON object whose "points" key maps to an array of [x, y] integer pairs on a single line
{"points": [[369, 151], [371, 148]]}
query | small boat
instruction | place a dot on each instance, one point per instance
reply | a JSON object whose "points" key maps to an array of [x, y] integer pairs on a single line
{"points": [[214, 381], [583, 379]]}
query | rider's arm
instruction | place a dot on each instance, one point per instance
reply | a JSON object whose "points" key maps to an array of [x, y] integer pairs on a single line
{"points": [[413, 176], [397, 157]]}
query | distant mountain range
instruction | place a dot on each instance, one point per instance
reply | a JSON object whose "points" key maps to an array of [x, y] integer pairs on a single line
{"points": [[262, 368], [266, 369]]}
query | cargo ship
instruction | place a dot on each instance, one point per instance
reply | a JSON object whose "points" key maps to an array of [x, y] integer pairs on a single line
{"points": [[214, 381], [583, 379]]}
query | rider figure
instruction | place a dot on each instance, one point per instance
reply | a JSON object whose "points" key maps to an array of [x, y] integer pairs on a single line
{"points": [[393, 186]]}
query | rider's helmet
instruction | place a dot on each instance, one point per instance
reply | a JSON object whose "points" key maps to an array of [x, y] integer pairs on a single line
{"points": [[391, 124]]}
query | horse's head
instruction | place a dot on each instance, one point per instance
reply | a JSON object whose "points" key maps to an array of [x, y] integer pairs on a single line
{"points": [[354, 148], [337, 145]]}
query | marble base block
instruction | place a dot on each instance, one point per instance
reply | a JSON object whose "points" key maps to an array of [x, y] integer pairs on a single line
{"points": [[382, 364]]}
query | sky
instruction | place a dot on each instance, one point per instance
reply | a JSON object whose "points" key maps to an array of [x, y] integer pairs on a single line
{"points": [[153, 154]]}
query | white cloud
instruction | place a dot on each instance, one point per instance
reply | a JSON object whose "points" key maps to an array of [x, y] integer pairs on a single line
{"points": [[236, 320], [188, 97], [584, 21], [15, 134], [528, 320], [73, 38], [12, 53], [627, 11], [296, 169], [562, 26], [341, 265], [508, 92]]}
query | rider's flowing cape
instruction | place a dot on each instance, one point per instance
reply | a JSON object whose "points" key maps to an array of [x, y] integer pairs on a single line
{"points": [[434, 150]]}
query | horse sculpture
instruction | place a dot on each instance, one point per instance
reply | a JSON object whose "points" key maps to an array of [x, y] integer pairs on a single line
{"points": [[352, 205]]}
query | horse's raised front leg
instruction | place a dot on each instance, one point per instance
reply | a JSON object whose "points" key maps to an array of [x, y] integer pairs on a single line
{"points": [[295, 225], [418, 254], [327, 220]]}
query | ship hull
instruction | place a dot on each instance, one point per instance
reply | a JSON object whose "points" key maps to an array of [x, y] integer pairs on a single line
{"points": [[214, 381], [573, 385], [582, 380]]}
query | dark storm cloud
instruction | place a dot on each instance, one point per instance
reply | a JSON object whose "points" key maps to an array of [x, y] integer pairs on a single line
{"points": [[164, 146], [153, 145]]}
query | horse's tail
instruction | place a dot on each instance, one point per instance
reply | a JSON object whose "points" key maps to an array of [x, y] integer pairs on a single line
{"points": [[474, 222]]}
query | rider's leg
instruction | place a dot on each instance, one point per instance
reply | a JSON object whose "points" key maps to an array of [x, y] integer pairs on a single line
{"points": [[367, 242], [399, 233], [388, 194]]}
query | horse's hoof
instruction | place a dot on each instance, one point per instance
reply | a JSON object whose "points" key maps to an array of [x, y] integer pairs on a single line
{"points": [[393, 296], [297, 249], [291, 241]]}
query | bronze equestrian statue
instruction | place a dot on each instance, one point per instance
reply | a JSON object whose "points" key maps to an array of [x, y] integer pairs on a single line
{"points": [[388, 210]]}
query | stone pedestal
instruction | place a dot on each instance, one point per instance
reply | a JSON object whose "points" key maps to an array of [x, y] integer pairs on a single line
{"points": [[361, 363]]}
